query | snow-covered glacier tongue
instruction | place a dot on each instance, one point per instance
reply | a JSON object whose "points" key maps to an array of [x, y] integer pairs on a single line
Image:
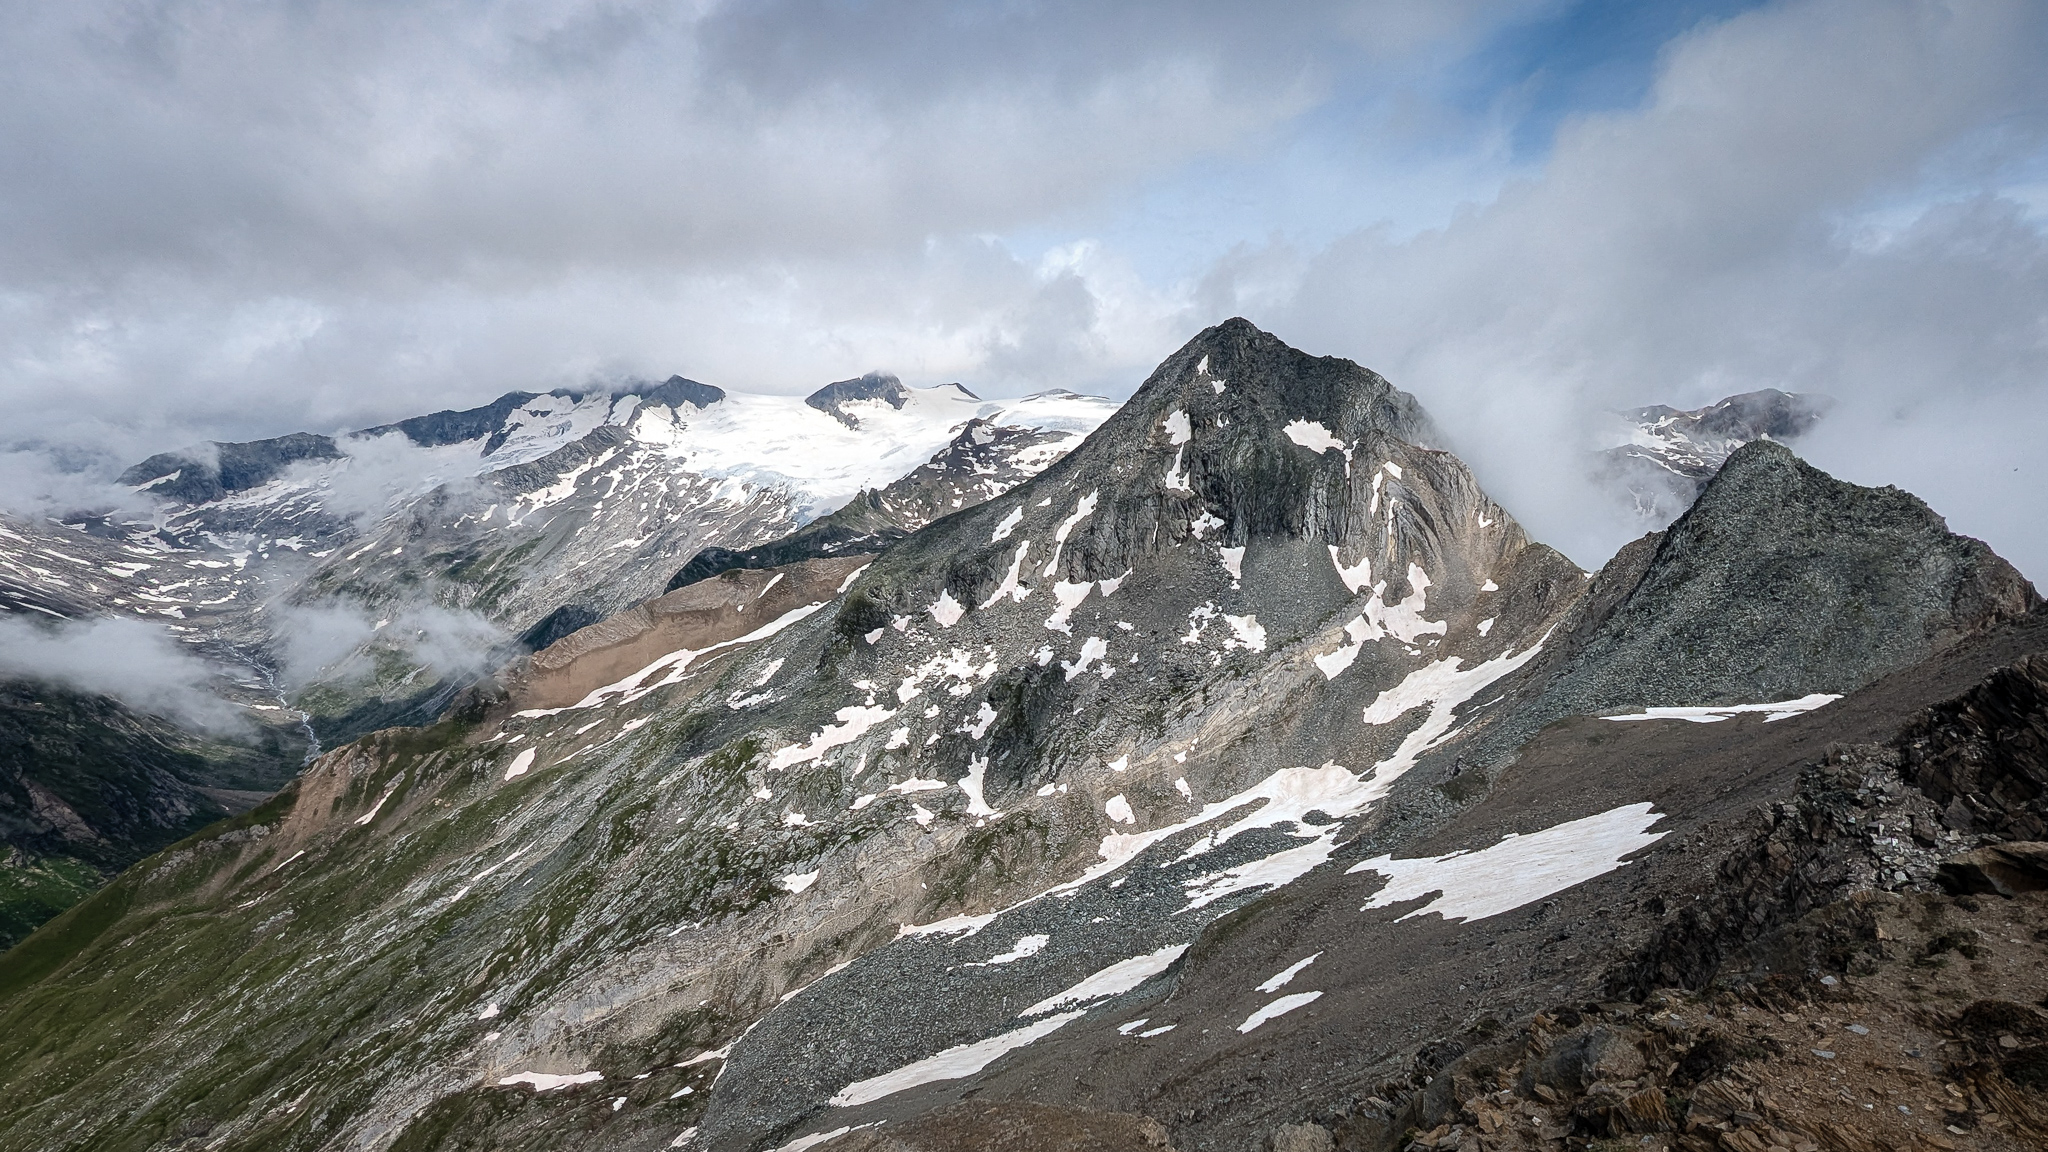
{"points": [[1217, 776]]}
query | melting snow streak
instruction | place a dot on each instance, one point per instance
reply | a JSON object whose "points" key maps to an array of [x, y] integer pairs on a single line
{"points": [[1716, 714], [1519, 870], [1280, 1007], [952, 1064], [1114, 980]]}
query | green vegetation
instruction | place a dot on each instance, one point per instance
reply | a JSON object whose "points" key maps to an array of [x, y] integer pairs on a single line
{"points": [[35, 890]]}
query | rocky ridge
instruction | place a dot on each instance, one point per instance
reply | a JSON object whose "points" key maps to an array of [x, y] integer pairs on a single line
{"points": [[474, 536], [1222, 754]]}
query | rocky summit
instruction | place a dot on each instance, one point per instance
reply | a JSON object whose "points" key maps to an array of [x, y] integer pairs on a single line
{"points": [[1227, 771]]}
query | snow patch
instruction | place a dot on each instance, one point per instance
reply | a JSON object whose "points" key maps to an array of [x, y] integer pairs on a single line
{"points": [[1024, 948], [951, 1064], [1279, 979], [979, 728], [946, 610], [1092, 649], [1357, 577], [1247, 632], [798, 883], [1067, 597], [1333, 663], [1313, 436], [636, 686], [1233, 563], [1714, 714], [1114, 980], [1403, 619], [805, 1142], [972, 784], [1082, 510], [1176, 480], [1517, 871], [520, 764], [544, 1082], [1009, 586], [1441, 687], [1277, 1008], [1119, 810], [1007, 523], [366, 817], [854, 722]]}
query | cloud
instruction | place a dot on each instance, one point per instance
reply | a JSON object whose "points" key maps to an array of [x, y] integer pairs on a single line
{"points": [[1816, 196], [136, 663], [338, 642], [379, 473], [56, 480], [230, 220]]}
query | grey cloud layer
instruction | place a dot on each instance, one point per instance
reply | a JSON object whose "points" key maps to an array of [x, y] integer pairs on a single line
{"points": [[1728, 236], [229, 219], [234, 220], [374, 142]]}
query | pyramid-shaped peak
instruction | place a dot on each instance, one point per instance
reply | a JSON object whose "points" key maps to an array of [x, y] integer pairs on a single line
{"points": [[1260, 384]]}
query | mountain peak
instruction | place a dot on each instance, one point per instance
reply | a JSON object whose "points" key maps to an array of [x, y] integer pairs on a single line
{"points": [[834, 398], [214, 469], [1250, 372], [1671, 454], [1783, 580], [675, 392]]}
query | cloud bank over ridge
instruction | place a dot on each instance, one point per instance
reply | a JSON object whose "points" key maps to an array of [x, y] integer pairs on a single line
{"points": [[231, 220]]}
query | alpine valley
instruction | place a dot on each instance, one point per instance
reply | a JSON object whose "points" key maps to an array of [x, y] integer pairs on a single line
{"points": [[891, 770]]}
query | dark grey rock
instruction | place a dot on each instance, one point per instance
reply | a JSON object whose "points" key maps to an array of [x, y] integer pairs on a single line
{"points": [[1780, 581], [218, 469]]}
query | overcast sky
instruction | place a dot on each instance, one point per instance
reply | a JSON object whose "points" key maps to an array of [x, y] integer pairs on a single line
{"points": [[229, 220]]}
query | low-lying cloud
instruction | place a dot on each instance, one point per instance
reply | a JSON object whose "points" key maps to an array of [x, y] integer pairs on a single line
{"points": [[139, 664], [379, 474], [338, 641]]}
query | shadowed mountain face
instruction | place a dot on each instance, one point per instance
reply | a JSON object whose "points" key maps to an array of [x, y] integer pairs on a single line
{"points": [[88, 787], [1216, 785]]}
